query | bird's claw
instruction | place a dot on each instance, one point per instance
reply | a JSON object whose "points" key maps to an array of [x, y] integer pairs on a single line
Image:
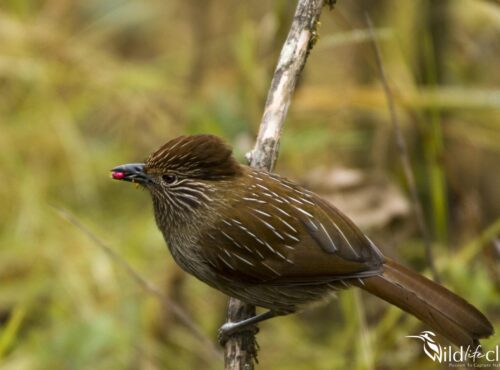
{"points": [[231, 328], [224, 332]]}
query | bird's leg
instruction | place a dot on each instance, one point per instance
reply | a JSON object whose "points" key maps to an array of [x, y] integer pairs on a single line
{"points": [[230, 328]]}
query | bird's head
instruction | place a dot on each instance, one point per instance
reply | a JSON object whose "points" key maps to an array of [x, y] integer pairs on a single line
{"points": [[182, 173]]}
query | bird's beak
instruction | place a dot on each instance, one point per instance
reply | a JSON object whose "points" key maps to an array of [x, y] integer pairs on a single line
{"points": [[132, 172]]}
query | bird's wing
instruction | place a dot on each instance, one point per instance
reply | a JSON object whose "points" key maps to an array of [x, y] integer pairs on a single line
{"points": [[281, 233]]}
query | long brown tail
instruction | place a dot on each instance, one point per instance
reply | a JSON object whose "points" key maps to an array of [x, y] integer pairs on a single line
{"points": [[445, 312]]}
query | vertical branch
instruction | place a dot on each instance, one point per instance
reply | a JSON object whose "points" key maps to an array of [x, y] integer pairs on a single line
{"points": [[241, 348], [300, 40], [405, 159]]}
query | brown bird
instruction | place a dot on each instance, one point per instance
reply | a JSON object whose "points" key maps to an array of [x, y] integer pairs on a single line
{"points": [[267, 241]]}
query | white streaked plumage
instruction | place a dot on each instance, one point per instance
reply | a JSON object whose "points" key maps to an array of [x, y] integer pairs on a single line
{"points": [[302, 211], [334, 247], [345, 238], [242, 259]]}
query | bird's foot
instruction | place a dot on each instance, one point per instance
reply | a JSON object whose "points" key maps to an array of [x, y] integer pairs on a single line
{"points": [[230, 328]]}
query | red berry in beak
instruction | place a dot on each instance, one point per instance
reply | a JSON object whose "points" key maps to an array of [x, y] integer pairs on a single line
{"points": [[118, 175]]}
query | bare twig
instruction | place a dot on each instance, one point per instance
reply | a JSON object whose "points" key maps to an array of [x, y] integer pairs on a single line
{"points": [[405, 159], [300, 40], [240, 349], [146, 285]]}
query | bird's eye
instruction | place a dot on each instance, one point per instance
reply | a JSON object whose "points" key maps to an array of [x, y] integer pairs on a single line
{"points": [[169, 178]]}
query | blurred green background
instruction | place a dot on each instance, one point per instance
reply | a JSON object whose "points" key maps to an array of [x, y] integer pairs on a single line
{"points": [[86, 85]]}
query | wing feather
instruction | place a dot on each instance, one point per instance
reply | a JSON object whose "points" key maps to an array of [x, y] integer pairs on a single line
{"points": [[280, 233]]}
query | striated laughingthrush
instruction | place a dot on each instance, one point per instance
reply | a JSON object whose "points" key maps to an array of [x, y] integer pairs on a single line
{"points": [[267, 241]]}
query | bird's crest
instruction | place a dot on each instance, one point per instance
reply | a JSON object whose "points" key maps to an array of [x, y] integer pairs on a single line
{"points": [[200, 156]]}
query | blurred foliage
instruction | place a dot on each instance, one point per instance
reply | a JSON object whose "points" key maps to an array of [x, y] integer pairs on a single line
{"points": [[86, 85]]}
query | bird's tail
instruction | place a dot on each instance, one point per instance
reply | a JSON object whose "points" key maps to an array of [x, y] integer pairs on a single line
{"points": [[445, 312]]}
